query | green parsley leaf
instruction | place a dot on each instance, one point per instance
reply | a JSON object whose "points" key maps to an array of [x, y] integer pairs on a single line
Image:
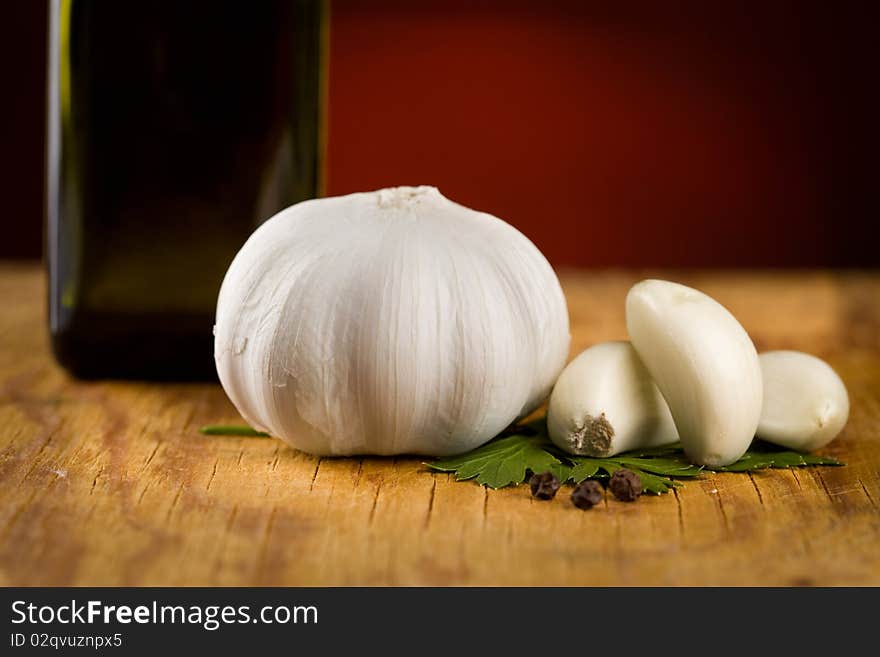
{"points": [[508, 460], [763, 455], [591, 468], [504, 461], [654, 485], [584, 468]]}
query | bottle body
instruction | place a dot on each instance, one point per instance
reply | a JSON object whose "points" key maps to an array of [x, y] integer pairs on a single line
{"points": [[169, 141]]}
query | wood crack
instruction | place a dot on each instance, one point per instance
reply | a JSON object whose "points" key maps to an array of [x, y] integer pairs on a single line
{"points": [[867, 494], [264, 542], [213, 474], [757, 490], [680, 513], [231, 518], [95, 480], [36, 457], [430, 503], [375, 503], [357, 476], [150, 457], [721, 508], [143, 492], [173, 503], [315, 474], [824, 486]]}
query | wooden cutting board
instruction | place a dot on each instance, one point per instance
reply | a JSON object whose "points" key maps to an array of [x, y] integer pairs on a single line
{"points": [[110, 483]]}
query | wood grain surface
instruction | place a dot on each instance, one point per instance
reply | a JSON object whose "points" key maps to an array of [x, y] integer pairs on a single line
{"points": [[110, 483]]}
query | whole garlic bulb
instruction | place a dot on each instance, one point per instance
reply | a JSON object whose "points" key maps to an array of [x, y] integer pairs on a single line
{"points": [[388, 322]]}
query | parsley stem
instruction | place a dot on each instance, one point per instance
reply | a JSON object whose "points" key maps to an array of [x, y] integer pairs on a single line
{"points": [[231, 430]]}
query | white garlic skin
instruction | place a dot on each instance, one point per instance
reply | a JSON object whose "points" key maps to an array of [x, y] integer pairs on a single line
{"points": [[605, 402], [805, 402], [705, 365], [388, 322]]}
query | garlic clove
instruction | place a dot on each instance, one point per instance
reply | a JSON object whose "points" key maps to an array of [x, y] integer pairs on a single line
{"points": [[705, 365], [805, 401], [605, 402]]}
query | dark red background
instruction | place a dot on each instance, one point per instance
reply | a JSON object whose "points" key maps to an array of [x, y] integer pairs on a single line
{"points": [[610, 133]]}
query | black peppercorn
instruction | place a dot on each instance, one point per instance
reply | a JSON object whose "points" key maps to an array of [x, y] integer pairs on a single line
{"points": [[544, 485], [587, 494], [625, 485]]}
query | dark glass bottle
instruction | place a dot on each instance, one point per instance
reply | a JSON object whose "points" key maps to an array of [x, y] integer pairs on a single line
{"points": [[174, 129]]}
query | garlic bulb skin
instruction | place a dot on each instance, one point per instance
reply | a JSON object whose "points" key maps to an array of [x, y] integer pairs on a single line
{"points": [[705, 365], [805, 402], [388, 322], [605, 402]]}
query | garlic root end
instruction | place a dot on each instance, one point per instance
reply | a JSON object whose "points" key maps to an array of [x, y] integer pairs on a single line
{"points": [[593, 437]]}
